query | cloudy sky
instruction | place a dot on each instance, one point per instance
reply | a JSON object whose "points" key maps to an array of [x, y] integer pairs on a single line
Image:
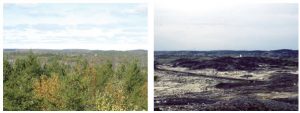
{"points": [[104, 26], [225, 26]]}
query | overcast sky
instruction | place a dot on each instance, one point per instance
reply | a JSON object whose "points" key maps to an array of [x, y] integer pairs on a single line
{"points": [[225, 26], [75, 26]]}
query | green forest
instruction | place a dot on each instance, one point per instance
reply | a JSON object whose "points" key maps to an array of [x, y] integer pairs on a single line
{"points": [[74, 80]]}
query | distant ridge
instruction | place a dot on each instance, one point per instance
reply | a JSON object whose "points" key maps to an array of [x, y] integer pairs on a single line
{"points": [[233, 53], [11, 49], [226, 50]]}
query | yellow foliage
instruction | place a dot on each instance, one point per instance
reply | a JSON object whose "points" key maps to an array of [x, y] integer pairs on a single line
{"points": [[47, 89], [112, 99], [145, 89]]}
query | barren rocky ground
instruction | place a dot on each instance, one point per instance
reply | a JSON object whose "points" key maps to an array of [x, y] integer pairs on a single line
{"points": [[185, 89]]}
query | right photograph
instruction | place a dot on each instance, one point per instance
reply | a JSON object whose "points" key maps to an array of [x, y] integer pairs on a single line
{"points": [[225, 56]]}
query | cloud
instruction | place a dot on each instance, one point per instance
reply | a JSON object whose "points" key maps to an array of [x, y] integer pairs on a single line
{"points": [[85, 26]]}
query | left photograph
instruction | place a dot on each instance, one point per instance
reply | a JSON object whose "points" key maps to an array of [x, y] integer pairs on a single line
{"points": [[75, 57]]}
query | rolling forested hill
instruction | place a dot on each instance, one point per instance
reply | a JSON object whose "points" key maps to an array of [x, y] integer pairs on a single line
{"points": [[74, 80]]}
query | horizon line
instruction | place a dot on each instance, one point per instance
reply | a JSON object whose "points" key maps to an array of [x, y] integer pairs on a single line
{"points": [[231, 50], [73, 49]]}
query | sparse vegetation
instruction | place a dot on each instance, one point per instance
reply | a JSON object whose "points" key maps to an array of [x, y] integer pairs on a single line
{"points": [[155, 78]]}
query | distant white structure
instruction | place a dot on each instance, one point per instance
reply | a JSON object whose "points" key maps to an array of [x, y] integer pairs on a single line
{"points": [[241, 55]]}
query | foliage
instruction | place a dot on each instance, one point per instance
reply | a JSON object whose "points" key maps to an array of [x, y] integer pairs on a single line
{"points": [[73, 82], [46, 89], [111, 99], [18, 90], [7, 70]]}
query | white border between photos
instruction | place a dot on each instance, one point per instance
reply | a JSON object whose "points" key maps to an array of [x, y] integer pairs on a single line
{"points": [[151, 13]]}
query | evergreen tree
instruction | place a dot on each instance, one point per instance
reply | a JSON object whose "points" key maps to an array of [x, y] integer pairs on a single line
{"points": [[7, 70], [104, 73], [18, 93]]}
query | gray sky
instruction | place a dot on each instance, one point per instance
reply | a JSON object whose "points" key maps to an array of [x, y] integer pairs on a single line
{"points": [[227, 26]]}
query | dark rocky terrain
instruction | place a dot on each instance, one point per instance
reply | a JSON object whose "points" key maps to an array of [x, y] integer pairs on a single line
{"points": [[225, 82], [231, 63]]}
